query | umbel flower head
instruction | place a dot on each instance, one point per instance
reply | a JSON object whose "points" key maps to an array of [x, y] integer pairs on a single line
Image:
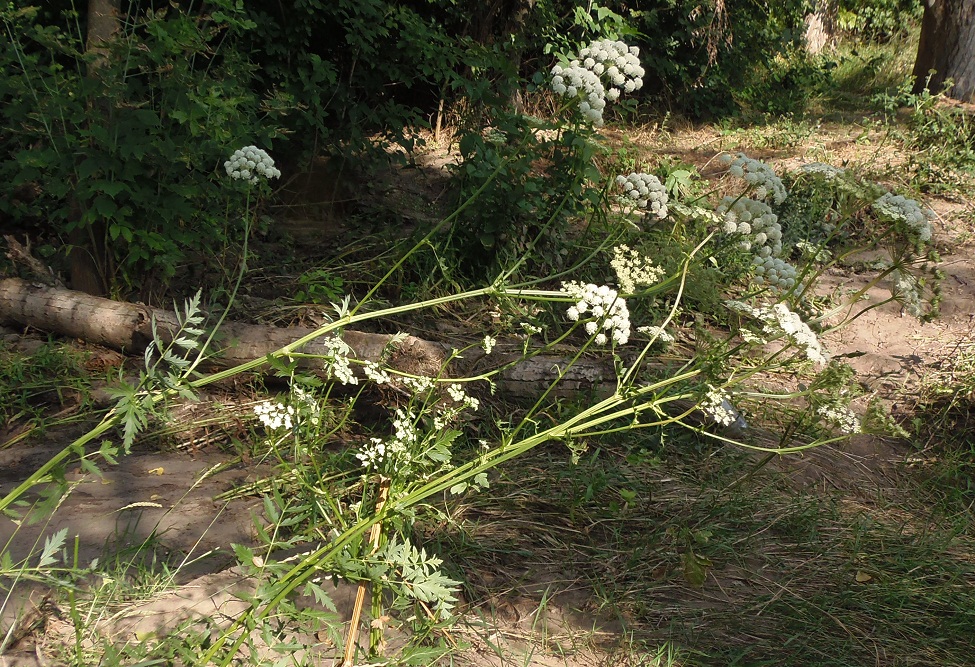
{"points": [[644, 191], [598, 75], [779, 319], [755, 222], [251, 163], [759, 176], [603, 304], [634, 270], [900, 210]]}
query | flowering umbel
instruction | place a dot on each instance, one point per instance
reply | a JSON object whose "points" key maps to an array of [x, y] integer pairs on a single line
{"points": [[644, 191], [758, 175], [897, 209], [251, 163], [600, 72], [606, 308]]}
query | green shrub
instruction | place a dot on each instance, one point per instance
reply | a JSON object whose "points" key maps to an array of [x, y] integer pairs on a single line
{"points": [[130, 154]]}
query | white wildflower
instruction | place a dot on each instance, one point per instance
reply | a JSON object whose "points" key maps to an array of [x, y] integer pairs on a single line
{"points": [[826, 171], [643, 191], [658, 334], [841, 417], [583, 77], [251, 163], [374, 373], [779, 319], [488, 344], [897, 209], [396, 450], [337, 360], [717, 405], [275, 415], [307, 404], [633, 270], [419, 384], [458, 395], [604, 304], [758, 175], [755, 222], [775, 272]]}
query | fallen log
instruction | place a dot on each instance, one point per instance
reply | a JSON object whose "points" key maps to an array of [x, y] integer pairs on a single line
{"points": [[128, 327]]}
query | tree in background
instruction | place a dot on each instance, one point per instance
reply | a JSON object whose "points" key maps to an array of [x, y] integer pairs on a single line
{"points": [[88, 254], [947, 48]]}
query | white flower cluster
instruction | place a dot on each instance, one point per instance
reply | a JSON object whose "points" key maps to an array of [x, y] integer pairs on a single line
{"points": [[337, 360], [897, 208], [419, 384], [826, 171], [776, 272], [840, 416], [275, 415], [755, 221], [603, 303], [488, 344], [757, 174], [799, 332], [251, 163], [644, 191], [375, 373], [606, 60], [458, 395], [396, 450], [446, 414], [906, 290], [659, 334], [633, 269], [778, 319], [717, 405]]}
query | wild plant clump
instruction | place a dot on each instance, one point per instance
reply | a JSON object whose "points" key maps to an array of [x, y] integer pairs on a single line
{"points": [[717, 276]]}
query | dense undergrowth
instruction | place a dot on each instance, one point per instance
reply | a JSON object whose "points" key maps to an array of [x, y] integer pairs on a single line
{"points": [[427, 488]]}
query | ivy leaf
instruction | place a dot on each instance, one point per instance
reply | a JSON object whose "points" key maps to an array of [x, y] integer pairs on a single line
{"points": [[695, 568]]}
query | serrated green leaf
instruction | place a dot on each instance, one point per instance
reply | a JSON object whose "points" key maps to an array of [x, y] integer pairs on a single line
{"points": [[185, 343], [271, 510], [245, 555], [321, 597], [89, 466], [52, 545]]}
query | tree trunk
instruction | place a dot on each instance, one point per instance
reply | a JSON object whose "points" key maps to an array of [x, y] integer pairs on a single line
{"points": [[947, 49], [88, 254], [821, 26]]}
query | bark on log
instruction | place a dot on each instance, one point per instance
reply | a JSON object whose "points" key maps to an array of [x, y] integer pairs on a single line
{"points": [[127, 327]]}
